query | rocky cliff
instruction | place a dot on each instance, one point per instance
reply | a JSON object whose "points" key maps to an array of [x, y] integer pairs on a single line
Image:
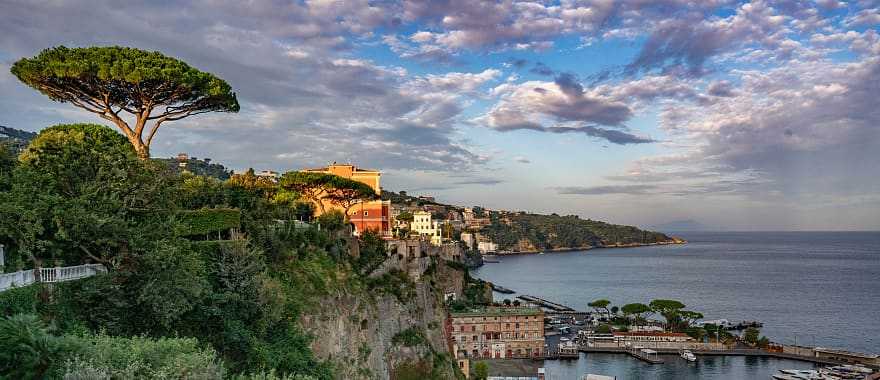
{"points": [[389, 331]]}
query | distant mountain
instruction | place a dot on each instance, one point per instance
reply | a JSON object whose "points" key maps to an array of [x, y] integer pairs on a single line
{"points": [[16, 138], [681, 226], [521, 231], [198, 166]]}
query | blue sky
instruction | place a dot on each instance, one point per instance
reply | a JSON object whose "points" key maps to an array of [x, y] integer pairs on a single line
{"points": [[739, 115]]}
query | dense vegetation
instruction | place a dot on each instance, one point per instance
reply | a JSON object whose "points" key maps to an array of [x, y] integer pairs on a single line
{"points": [[175, 303]]}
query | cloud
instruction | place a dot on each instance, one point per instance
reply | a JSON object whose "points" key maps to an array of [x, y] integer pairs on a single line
{"points": [[685, 43], [522, 160], [484, 181], [720, 88], [565, 106], [606, 190], [532, 104], [798, 132], [865, 17], [542, 69], [303, 95]]}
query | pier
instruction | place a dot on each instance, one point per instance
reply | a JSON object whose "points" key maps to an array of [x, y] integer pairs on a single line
{"points": [[645, 354], [544, 303], [501, 289]]}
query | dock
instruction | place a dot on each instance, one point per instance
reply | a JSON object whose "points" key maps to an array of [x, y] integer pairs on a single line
{"points": [[501, 289], [544, 303], [645, 354]]}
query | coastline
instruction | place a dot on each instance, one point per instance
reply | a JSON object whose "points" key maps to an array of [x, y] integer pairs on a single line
{"points": [[674, 241]]}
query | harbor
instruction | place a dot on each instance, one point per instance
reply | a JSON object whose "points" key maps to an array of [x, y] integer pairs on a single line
{"points": [[566, 339]]}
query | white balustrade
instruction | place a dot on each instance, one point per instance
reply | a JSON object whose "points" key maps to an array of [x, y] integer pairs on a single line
{"points": [[56, 274]]}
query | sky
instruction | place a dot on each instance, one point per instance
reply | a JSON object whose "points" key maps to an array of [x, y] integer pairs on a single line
{"points": [[731, 115]]}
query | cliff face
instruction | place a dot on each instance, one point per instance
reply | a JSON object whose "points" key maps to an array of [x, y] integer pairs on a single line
{"points": [[370, 334]]}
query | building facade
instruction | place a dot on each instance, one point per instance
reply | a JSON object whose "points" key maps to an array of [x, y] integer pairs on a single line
{"points": [[424, 224], [365, 216], [487, 247], [497, 332]]}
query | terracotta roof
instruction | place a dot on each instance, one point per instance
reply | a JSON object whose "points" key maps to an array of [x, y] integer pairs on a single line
{"points": [[498, 311], [650, 333]]}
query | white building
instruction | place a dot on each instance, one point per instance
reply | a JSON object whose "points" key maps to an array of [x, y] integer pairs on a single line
{"points": [[469, 240], [487, 247], [424, 224]]}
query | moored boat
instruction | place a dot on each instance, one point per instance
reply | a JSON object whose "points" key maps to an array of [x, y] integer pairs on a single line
{"points": [[688, 355]]}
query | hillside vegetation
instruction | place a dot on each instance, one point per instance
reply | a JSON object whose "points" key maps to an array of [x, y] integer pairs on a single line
{"points": [[206, 278], [556, 231]]}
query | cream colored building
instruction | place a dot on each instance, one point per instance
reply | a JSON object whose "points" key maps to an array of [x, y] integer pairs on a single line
{"points": [[424, 224]]}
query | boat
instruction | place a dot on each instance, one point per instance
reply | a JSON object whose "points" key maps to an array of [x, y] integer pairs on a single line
{"points": [[541, 253], [688, 355]]}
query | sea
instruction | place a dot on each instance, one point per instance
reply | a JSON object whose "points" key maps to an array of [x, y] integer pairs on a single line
{"points": [[807, 288]]}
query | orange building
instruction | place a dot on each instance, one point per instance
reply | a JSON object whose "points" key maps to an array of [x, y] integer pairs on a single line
{"points": [[365, 216]]}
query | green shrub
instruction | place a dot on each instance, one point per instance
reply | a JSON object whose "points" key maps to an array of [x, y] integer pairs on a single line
{"points": [[142, 358], [395, 282], [29, 350], [410, 337], [19, 300], [208, 220]]}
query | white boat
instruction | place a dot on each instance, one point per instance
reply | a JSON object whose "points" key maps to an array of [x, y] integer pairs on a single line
{"points": [[540, 253], [688, 355]]}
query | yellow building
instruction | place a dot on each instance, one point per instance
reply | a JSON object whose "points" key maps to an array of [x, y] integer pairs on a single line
{"points": [[371, 215]]}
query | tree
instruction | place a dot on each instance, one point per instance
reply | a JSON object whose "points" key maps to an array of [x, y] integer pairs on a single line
{"points": [[689, 317], [8, 162], [751, 336], [309, 185], [346, 193], [507, 302], [600, 304], [669, 309], [614, 310], [405, 216], [252, 182], [481, 371], [637, 310], [80, 193], [107, 81]]}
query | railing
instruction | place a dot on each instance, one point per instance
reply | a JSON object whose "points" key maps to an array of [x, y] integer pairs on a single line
{"points": [[56, 274]]}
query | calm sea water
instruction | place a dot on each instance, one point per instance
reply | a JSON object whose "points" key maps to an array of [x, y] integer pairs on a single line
{"points": [[815, 288]]}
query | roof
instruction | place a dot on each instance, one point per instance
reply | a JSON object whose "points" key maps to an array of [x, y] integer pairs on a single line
{"points": [[354, 169], [498, 312]]}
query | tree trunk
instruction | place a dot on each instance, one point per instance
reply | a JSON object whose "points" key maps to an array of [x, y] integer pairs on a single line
{"points": [[143, 150]]}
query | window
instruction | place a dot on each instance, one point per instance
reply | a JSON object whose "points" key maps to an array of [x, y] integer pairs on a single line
{"points": [[366, 213]]}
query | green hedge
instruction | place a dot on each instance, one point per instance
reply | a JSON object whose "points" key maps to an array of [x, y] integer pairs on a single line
{"points": [[208, 220], [19, 300]]}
